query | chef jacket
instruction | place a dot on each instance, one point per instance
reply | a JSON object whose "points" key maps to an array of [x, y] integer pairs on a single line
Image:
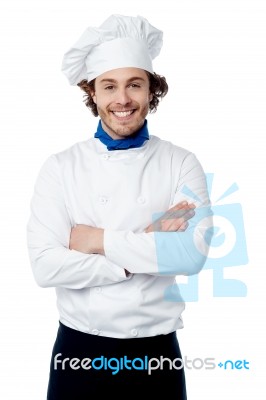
{"points": [[120, 191]]}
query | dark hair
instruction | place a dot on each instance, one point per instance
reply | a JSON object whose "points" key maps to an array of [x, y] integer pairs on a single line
{"points": [[158, 88]]}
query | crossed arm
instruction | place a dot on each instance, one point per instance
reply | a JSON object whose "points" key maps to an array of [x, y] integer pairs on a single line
{"points": [[84, 256], [90, 240]]}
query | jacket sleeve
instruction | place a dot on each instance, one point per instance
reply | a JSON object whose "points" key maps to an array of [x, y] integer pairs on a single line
{"points": [[48, 232], [169, 253]]}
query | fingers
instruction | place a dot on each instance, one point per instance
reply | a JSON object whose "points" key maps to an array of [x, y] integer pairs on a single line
{"points": [[179, 205], [183, 227], [175, 219], [178, 224], [183, 205], [178, 216], [179, 210]]}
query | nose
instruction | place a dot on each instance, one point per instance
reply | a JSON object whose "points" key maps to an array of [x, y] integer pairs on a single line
{"points": [[122, 97]]}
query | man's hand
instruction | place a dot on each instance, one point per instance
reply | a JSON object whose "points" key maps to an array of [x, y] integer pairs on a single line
{"points": [[174, 220], [86, 239]]}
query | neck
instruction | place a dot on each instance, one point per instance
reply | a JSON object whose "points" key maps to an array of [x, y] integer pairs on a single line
{"points": [[121, 134], [135, 139]]}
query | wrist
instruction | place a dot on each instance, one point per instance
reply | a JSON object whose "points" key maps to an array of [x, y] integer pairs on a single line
{"points": [[98, 242]]}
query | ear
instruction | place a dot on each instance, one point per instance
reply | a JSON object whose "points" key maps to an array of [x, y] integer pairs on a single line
{"points": [[93, 96], [150, 97]]}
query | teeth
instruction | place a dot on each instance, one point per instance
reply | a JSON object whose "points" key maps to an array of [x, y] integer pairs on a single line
{"points": [[122, 114]]}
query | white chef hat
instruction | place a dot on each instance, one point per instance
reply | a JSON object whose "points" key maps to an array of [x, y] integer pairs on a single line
{"points": [[121, 41]]}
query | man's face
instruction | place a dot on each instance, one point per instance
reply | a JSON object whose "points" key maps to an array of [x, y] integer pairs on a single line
{"points": [[122, 97]]}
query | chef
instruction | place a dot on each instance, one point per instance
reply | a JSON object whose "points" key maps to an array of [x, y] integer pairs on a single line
{"points": [[112, 225]]}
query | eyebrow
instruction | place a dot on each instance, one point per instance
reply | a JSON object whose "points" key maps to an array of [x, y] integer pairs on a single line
{"points": [[110, 80]]}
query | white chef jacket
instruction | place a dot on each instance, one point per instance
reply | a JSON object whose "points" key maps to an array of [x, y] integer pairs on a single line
{"points": [[119, 191]]}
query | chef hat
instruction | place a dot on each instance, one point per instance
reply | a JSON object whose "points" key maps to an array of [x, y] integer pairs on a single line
{"points": [[120, 42]]}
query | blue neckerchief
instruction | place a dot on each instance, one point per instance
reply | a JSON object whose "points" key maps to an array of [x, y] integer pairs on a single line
{"points": [[135, 140]]}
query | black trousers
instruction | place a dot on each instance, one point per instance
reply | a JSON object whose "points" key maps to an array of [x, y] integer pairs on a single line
{"points": [[84, 366]]}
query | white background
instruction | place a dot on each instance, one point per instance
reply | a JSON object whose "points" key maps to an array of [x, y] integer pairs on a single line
{"points": [[214, 61]]}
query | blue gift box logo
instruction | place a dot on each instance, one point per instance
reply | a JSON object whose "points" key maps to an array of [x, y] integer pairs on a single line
{"points": [[227, 248]]}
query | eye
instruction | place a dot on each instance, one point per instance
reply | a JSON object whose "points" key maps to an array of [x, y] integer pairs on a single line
{"points": [[134, 85], [109, 87]]}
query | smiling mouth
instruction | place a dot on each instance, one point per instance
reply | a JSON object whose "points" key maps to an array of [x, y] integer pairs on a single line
{"points": [[123, 114]]}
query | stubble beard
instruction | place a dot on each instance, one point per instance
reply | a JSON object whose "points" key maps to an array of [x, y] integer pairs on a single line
{"points": [[123, 129]]}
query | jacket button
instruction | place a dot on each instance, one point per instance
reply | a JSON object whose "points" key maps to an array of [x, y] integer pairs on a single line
{"points": [[95, 332], [141, 200], [98, 289], [103, 200], [105, 156], [134, 332]]}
